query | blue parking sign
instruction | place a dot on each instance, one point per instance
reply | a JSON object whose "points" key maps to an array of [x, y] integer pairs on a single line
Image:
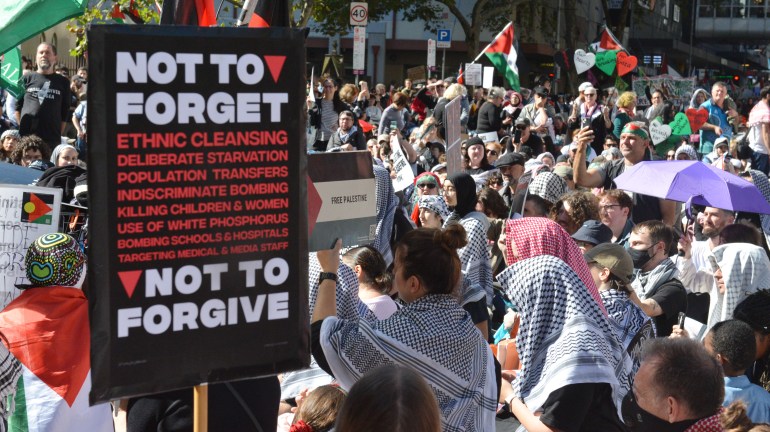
{"points": [[444, 38]]}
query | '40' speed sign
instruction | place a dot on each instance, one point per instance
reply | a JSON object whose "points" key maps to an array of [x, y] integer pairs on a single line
{"points": [[359, 13]]}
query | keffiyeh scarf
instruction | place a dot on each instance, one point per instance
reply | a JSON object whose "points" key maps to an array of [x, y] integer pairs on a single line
{"points": [[434, 336], [627, 316], [548, 186], [434, 203], [646, 284], [564, 337], [745, 269], [535, 236], [761, 182], [474, 257], [387, 204]]}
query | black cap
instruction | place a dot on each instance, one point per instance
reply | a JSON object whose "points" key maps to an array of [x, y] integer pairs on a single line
{"points": [[474, 141], [508, 159], [522, 121], [593, 232], [540, 90]]}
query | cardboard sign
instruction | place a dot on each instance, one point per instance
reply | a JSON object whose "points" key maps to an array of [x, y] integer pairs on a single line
{"points": [[401, 166], [659, 132], [680, 125], [472, 75], [26, 213], [198, 259], [489, 137], [417, 74], [454, 156], [489, 77], [606, 61], [341, 199], [584, 61]]}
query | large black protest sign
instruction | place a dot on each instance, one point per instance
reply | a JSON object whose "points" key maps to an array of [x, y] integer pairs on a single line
{"points": [[198, 255]]}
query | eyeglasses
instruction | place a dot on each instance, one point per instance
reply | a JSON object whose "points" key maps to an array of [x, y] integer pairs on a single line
{"points": [[521, 127], [492, 152], [427, 185], [590, 94]]}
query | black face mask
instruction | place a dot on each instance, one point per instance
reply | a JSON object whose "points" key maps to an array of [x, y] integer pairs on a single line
{"points": [[639, 420], [640, 257]]}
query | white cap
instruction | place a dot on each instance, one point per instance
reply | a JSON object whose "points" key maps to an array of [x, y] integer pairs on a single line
{"points": [[584, 86]]}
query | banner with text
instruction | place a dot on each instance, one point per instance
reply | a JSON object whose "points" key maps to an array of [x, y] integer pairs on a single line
{"points": [[199, 211], [677, 90], [341, 199], [26, 213]]}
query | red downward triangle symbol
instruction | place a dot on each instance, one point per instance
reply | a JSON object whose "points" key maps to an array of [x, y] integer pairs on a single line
{"points": [[314, 203], [129, 280], [275, 64]]}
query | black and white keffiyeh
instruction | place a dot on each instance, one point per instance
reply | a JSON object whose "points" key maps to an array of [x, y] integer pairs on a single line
{"points": [[761, 182], [10, 371], [627, 317], [434, 203], [745, 269], [564, 337], [474, 257], [349, 306], [432, 335], [387, 203], [548, 186]]}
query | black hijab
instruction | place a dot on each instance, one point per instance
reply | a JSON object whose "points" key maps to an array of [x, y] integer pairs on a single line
{"points": [[465, 188]]}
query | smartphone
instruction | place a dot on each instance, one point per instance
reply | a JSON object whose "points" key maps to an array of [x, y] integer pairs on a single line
{"points": [[680, 321], [393, 126], [585, 122], [364, 86], [517, 136]]}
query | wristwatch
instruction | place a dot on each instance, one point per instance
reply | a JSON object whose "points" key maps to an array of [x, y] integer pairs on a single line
{"points": [[327, 275]]}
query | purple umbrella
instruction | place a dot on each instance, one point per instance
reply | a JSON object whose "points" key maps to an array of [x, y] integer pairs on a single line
{"points": [[693, 182]]}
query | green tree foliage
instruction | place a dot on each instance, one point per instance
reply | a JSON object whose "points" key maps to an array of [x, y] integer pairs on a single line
{"points": [[101, 13]]}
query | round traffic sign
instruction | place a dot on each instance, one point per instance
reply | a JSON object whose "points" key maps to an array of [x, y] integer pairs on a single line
{"points": [[358, 14]]}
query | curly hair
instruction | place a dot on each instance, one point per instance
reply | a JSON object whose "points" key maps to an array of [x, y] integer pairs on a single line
{"points": [[583, 206], [494, 205], [348, 93], [30, 142], [627, 99]]}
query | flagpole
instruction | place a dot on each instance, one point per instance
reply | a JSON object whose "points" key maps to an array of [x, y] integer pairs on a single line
{"points": [[201, 408], [510, 23]]}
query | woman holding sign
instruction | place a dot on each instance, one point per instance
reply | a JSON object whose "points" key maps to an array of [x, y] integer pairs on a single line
{"points": [[431, 334]]}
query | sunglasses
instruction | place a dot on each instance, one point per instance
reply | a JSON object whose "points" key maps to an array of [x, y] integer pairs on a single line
{"points": [[590, 94], [492, 152], [521, 128], [427, 185]]}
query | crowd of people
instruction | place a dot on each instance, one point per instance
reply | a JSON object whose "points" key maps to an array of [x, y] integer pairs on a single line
{"points": [[524, 291]]}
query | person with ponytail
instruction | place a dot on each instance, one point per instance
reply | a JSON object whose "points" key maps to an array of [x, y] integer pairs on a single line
{"points": [[374, 281], [432, 333], [318, 411]]}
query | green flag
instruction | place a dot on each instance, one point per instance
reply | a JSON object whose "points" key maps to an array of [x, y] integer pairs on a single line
{"points": [[22, 19], [10, 72]]}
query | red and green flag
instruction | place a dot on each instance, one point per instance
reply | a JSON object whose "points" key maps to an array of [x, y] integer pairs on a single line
{"points": [[502, 54]]}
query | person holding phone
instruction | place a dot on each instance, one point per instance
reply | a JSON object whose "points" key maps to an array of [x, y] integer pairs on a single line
{"points": [[393, 114], [596, 116]]}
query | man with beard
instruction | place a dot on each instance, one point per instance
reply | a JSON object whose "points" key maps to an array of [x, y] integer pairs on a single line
{"points": [[511, 166], [714, 221], [44, 108], [679, 388]]}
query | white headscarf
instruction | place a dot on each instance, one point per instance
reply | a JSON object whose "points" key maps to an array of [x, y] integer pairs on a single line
{"points": [[387, 204], [745, 270]]}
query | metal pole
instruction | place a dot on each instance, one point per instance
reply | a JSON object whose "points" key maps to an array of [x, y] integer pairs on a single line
{"points": [[443, 62], [692, 33]]}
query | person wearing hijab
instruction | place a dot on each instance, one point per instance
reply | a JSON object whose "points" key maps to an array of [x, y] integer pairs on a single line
{"points": [[63, 155], [574, 370], [530, 237], [739, 270], [46, 329], [425, 184], [431, 334], [548, 186], [460, 195], [686, 152]]}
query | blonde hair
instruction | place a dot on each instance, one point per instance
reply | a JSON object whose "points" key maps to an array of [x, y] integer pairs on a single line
{"points": [[627, 99], [453, 91], [348, 93]]}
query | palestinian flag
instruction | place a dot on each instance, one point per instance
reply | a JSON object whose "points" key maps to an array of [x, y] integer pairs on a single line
{"points": [[46, 329], [607, 42], [503, 56], [117, 15], [188, 12], [269, 13]]}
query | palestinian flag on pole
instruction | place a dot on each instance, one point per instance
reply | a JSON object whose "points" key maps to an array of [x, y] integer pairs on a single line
{"points": [[607, 42], [502, 54], [10, 72], [46, 329]]}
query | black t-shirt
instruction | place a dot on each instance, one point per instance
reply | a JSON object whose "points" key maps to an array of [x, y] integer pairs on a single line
{"points": [[582, 407], [489, 119], [44, 118], [645, 207], [672, 298]]}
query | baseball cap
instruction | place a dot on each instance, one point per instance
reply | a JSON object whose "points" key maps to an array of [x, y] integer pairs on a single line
{"points": [[508, 159], [593, 232], [584, 86], [383, 137], [563, 171], [613, 257]]}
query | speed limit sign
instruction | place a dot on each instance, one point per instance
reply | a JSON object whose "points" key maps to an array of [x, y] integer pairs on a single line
{"points": [[359, 13]]}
